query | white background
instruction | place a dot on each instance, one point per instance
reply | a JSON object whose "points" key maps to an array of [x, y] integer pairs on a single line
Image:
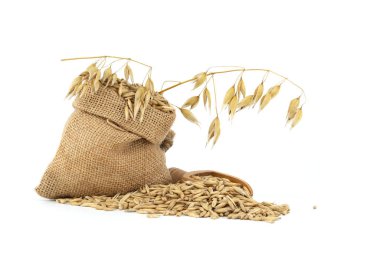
{"points": [[330, 48]]}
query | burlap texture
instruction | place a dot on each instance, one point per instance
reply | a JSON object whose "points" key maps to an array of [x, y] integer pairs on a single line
{"points": [[103, 154]]}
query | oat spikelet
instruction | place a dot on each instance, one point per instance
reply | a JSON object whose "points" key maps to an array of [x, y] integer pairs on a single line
{"points": [[114, 79], [73, 85], [273, 91], [139, 96], [246, 102], [128, 74], [192, 102], [147, 98], [97, 80], [293, 105], [297, 117], [229, 95], [214, 130], [241, 88], [233, 106], [199, 79], [92, 69], [207, 98], [107, 74], [189, 115], [149, 84], [265, 100], [84, 90], [258, 93]]}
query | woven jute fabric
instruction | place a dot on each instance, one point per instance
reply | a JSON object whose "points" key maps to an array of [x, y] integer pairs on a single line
{"points": [[101, 153]]}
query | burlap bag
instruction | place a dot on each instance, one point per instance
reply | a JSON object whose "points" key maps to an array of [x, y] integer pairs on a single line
{"points": [[103, 154]]}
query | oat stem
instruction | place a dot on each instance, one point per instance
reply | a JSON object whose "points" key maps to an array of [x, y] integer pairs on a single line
{"points": [[106, 56], [216, 103], [235, 70]]}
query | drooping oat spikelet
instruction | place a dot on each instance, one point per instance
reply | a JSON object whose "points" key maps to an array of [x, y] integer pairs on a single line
{"points": [[241, 88], [246, 102], [192, 102], [214, 130], [199, 79], [97, 80], [106, 75], [207, 98], [73, 85], [297, 117], [229, 95], [121, 89], [84, 90], [128, 74], [265, 100], [293, 108], [139, 97], [92, 69], [147, 98], [79, 88], [273, 91], [149, 84], [258, 93], [189, 115], [233, 106], [114, 79]]}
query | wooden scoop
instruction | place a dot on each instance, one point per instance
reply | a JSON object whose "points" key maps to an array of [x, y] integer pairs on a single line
{"points": [[178, 174]]}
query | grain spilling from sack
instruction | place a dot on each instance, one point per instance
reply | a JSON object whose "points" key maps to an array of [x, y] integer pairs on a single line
{"points": [[203, 197]]}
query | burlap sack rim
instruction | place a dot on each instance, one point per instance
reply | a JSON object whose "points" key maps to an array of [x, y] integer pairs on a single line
{"points": [[107, 104]]}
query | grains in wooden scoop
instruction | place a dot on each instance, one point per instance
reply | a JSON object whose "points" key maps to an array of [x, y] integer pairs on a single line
{"points": [[205, 197]]}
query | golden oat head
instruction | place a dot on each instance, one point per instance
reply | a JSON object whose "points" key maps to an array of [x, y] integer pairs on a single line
{"points": [[137, 98]]}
